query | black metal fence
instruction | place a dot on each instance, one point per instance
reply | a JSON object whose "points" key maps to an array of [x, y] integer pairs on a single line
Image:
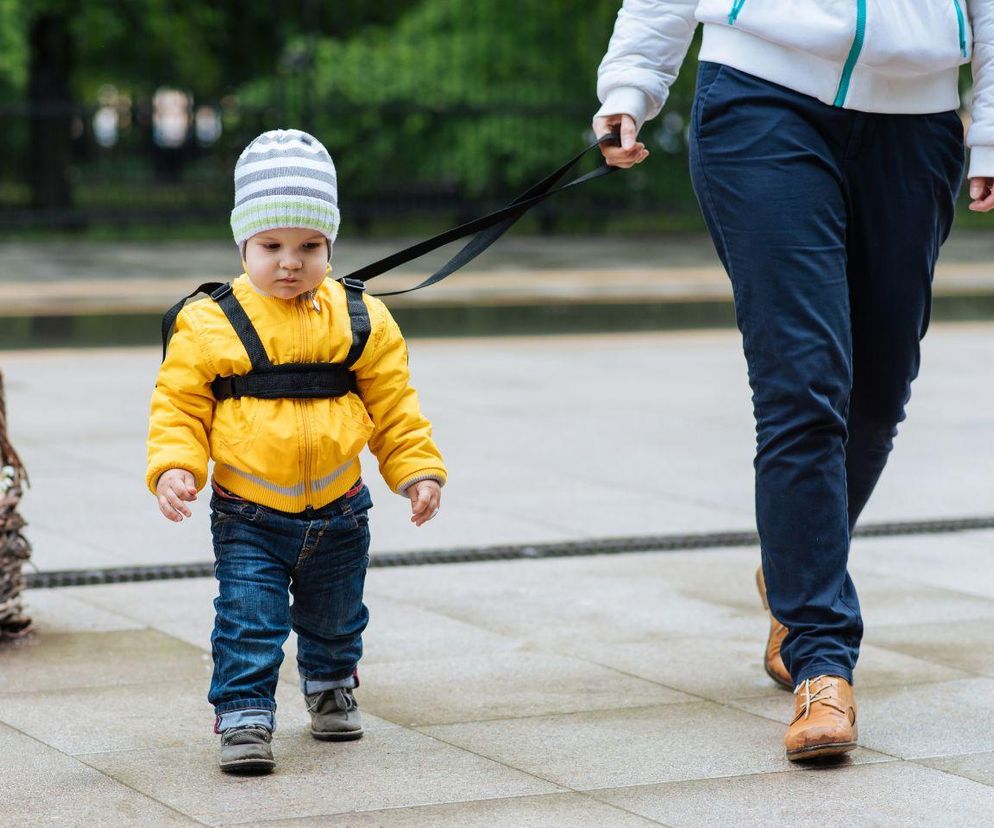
{"points": [[169, 161], [428, 107]]}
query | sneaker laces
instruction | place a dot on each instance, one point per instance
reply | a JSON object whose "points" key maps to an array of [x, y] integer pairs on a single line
{"points": [[344, 700]]}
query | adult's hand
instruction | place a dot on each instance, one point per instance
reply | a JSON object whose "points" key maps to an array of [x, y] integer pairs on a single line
{"points": [[631, 151], [982, 193]]}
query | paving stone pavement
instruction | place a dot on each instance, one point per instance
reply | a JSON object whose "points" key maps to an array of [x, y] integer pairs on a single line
{"points": [[622, 690], [539, 712]]}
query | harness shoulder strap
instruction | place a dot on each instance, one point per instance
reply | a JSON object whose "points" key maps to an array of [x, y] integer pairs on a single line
{"points": [[358, 319], [222, 293], [226, 300], [169, 317]]}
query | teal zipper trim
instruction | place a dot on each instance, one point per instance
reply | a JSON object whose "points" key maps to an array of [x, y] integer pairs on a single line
{"points": [[734, 13], [962, 28], [857, 47]]}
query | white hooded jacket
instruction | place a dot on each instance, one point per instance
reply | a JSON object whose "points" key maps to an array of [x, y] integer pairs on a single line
{"points": [[890, 56]]}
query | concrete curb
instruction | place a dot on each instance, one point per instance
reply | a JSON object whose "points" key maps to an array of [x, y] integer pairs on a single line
{"points": [[461, 319]]}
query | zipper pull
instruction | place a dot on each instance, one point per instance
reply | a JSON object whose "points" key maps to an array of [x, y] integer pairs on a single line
{"points": [[314, 302]]}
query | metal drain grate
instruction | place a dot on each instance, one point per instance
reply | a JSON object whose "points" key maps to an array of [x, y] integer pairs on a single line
{"points": [[511, 552]]}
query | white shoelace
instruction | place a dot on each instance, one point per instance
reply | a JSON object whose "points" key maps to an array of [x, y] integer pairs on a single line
{"points": [[810, 698]]}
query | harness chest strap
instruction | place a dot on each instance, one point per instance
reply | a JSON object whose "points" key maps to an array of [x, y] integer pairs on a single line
{"points": [[300, 380]]}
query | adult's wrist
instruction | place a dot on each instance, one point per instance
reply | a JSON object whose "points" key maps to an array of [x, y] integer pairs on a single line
{"points": [[626, 100], [981, 162]]}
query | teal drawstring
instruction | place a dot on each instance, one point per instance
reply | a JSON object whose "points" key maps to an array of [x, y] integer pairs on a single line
{"points": [[857, 47], [734, 13], [962, 28]]}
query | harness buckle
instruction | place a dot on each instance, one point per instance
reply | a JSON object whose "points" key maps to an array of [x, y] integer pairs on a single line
{"points": [[223, 388], [353, 284], [221, 292]]}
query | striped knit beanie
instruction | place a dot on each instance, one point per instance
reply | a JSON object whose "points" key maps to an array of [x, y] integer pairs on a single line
{"points": [[285, 178]]}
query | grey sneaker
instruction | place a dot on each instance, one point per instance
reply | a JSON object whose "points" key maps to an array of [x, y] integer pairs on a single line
{"points": [[334, 715], [247, 749]]}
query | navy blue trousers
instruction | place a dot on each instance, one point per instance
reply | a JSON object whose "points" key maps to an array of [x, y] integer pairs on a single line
{"points": [[829, 224]]}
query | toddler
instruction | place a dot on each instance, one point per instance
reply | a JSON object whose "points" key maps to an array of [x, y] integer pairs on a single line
{"points": [[281, 378]]}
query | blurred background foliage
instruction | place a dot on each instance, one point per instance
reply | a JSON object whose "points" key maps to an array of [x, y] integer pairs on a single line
{"points": [[127, 116]]}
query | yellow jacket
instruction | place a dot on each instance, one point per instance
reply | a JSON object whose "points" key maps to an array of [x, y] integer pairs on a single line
{"points": [[288, 454]]}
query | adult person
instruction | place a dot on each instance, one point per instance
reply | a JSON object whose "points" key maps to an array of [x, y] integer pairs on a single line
{"points": [[826, 152]]}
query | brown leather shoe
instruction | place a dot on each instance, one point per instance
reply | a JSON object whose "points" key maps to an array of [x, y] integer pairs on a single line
{"points": [[772, 662], [824, 719]]}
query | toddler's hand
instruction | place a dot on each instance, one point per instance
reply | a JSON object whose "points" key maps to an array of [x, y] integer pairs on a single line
{"points": [[175, 486], [425, 495]]}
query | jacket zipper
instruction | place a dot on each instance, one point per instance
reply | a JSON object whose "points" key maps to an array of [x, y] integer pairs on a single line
{"points": [[962, 28], [734, 13], [857, 47], [303, 407]]}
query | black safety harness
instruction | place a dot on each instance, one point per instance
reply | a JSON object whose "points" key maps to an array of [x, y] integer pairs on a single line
{"points": [[312, 380], [293, 380]]}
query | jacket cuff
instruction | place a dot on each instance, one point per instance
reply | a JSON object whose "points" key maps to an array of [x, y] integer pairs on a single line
{"points": [[438, 475], [981, 162], [626, 100]]}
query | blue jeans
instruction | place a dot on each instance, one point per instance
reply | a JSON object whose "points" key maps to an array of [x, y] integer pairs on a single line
{"points": [[262, 556], [829, 224]]}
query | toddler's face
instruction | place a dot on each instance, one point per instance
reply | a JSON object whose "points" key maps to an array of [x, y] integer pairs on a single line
{"points": [[286, 262]]}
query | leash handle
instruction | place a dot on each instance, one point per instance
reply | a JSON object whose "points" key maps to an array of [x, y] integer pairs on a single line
{"points": [[486, 229]]}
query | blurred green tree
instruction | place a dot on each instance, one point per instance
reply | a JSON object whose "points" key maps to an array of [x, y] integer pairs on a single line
{"points": [[473, 98], [57, 53]]}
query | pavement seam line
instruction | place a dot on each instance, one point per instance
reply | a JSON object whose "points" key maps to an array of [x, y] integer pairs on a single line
{"points": [[565, 713], [374, 811], [64, 691], [142, 793], [546, 715], [920, 761], [587, 795], [420, 730], [969, 674], [79, 760], [948, 772], [618, 670], [792, 769]]}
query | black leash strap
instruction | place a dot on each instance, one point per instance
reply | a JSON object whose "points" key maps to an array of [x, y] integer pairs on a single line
{"points": [[486, 229]]}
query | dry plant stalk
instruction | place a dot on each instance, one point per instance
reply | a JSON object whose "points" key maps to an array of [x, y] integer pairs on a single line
{"points": [[14, 547]]}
